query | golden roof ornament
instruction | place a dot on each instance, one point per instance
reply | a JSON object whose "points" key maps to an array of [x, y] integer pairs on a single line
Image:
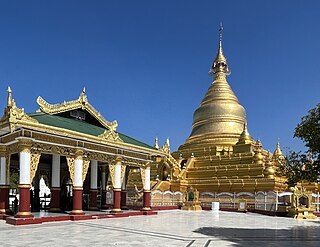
{"points": [[10, 101], [156, 143], [245, 137], [82, 102], [219, 66], [277, 154]]}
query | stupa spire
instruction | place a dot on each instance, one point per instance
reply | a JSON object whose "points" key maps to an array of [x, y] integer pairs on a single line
{"points": [[9, 98], [219, 66]]}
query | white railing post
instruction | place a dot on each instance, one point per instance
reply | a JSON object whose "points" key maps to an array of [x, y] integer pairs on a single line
{"points": [[162, 202], [277, 201], [234, 199], [265, 201], [318, 202]]}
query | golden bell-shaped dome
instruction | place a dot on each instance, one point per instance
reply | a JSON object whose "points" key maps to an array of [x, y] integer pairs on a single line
{"points": [[220, 117]]}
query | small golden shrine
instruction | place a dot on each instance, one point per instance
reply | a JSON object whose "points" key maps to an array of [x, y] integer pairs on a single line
{"points": [[192, 200], [301, 207]]}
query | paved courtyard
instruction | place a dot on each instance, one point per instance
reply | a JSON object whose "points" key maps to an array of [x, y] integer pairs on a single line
{"points": [[168, 228]]}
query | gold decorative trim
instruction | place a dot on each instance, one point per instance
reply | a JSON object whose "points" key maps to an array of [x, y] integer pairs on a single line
{"points": [[77, 211], [77, 188], [123, 172], [24, 145], [78, 154], [111, 135], [34, 162], [24, 186], [80, 103], [24, 213], [116, 189], [143, 175], [111, 171], [4, 186], [3, 150], [85, 166], [70, 163]]}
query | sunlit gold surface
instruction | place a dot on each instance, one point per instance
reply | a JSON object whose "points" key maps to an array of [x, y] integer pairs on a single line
{"points": [[220, 117]]}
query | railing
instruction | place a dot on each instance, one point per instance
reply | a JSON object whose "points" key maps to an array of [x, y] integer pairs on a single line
{"points": [[264, 201], [166, 198]]}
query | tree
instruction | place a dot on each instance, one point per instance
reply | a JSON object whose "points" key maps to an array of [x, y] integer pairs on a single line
{"points": [[309, 131], [300, 166]]}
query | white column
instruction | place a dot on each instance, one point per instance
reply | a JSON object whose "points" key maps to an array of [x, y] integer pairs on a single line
{"points": [[94, 175], [3, 171], [103, 178], [55, 171], [24, 160], [124, 183], [78, 173], [117, 175], [147, 179]]}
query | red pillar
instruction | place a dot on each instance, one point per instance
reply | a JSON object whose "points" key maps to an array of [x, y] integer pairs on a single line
{"points": [[55, 200], [93, 199], [146, 201], [4, 199], [116, 200], [24, 202], [124, 199], [77, 201], [104, 199]]}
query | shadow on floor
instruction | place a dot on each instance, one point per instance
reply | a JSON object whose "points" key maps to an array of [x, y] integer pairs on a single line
{"points": [[295, 236]]}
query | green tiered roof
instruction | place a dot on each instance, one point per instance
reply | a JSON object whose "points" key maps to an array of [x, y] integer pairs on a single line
{"points": [[82, 127]]}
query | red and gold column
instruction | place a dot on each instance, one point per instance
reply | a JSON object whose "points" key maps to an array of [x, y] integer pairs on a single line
{"points": [[4, 183], [77, 183], [124, 199], [146, 189], [55, 184], [24, 178], [93, 185], [116, 171], [124, 193]]}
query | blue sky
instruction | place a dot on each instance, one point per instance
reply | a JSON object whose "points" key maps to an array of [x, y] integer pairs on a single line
{"points": [[146, 63]]}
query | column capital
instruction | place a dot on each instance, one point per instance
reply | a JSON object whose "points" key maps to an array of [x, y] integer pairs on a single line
{"points": [[3, 150], [24, 145], [118, 159], [78, 154]]}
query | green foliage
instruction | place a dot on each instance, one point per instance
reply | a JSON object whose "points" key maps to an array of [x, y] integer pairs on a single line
{"points": [[299, 167], [309, 130]]}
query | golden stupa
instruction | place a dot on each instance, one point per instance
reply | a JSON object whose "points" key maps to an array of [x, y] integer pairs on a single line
{"points": [[220, 155]]}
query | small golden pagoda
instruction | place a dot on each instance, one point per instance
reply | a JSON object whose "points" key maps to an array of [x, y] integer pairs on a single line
{"points": [[220, 155]]}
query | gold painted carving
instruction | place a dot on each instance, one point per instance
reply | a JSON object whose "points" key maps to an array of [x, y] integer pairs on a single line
{"points": [[81, 102], [123, 172], [85, 166], [34, 161], [111, 135], [13, 114], [111, 170], [24, 145], [70, 163], [52, 149], [143, 175]]}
